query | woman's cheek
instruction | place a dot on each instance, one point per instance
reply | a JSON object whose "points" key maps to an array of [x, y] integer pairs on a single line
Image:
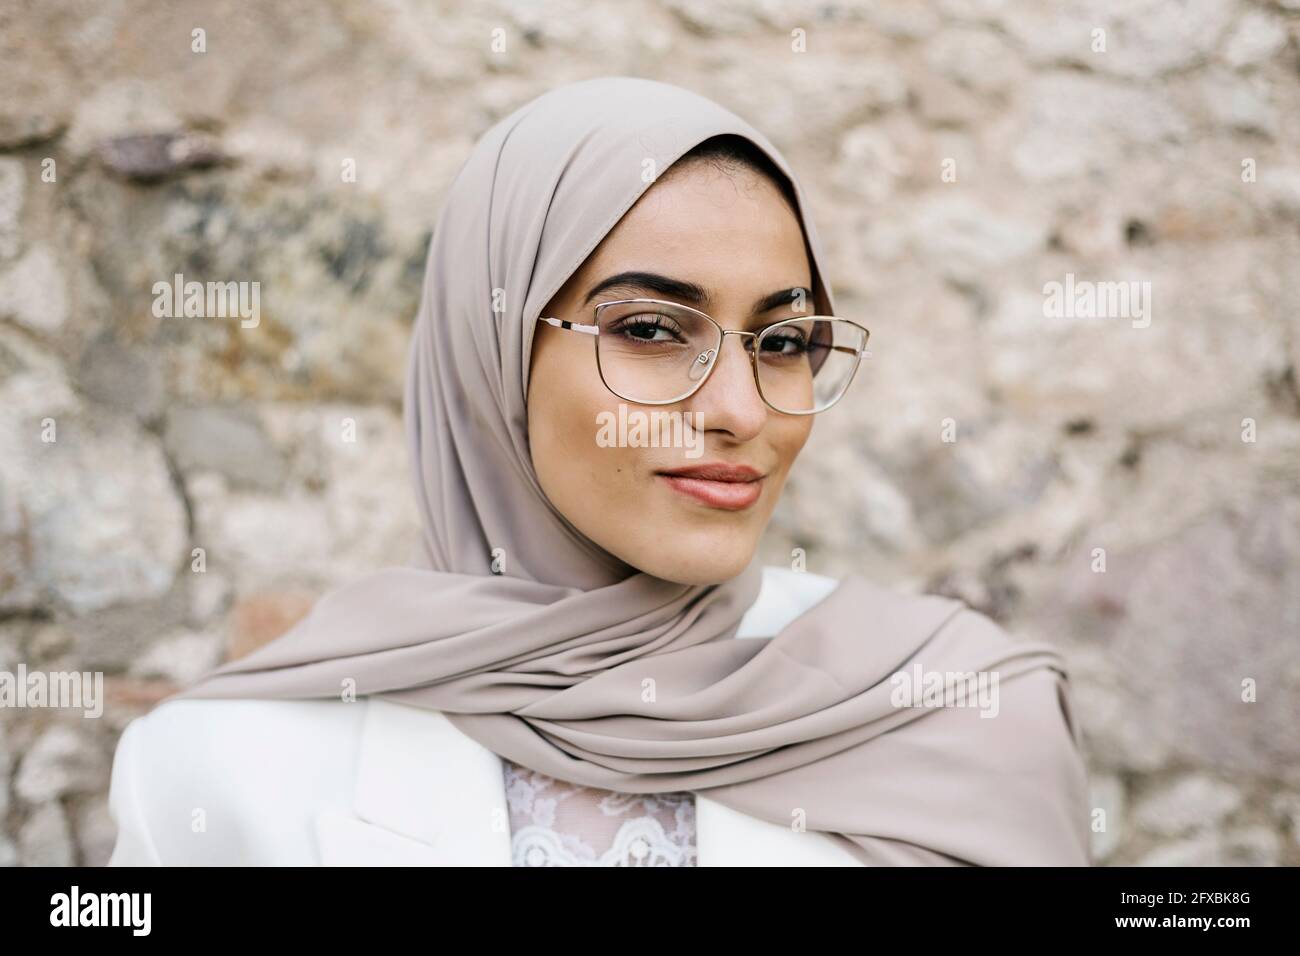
{"points": [[793, 439], [580, 412]]}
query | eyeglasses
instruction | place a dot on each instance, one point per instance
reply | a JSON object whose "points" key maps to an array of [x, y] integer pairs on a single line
{"points": [[653, 352]]}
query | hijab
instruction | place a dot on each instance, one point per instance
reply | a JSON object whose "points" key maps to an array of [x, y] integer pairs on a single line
{"points": [[575, 665]]}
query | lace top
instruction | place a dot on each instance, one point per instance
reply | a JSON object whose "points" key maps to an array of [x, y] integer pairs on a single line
{"points": [[556, 823]]}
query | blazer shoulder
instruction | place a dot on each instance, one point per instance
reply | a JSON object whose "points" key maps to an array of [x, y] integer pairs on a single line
{"points": [[213, 718], [197, 734], [214, 781]]}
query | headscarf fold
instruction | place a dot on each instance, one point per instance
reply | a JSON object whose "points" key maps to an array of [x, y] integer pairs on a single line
{"points": [[548, 663]]}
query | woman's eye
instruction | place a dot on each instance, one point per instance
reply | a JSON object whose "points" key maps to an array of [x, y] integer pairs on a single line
{"points": [[785, 344], [648, 330]]}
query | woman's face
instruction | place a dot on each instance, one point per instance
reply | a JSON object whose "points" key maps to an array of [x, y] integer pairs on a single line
{"points": [[720, 242]]}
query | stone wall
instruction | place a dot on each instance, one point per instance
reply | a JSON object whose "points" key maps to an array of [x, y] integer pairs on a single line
{"points": [[1125, 486]]}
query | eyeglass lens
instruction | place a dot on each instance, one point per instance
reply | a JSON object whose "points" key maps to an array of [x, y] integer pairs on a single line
{"points": [[656, 353]]}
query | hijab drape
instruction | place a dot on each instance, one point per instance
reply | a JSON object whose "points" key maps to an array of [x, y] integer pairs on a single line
{"points": [[548, 663]]}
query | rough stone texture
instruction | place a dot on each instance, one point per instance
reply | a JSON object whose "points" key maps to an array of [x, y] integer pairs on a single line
{"points": [[45, 838], [61, 761], [89, 513], [209, 480], [1191, 803], [32, 291]]}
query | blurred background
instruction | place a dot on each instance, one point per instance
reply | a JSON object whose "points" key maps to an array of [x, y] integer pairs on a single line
{"points": [[1127, 490]]}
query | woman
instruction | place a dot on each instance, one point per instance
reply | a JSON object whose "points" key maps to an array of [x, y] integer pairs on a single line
{"points": [[587, 665]]}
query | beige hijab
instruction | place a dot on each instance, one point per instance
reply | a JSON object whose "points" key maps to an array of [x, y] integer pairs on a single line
{"points": [[572, 664]]}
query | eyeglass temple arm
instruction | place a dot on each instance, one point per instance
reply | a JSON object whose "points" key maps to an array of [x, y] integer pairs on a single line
{"points": [[575, 326]]}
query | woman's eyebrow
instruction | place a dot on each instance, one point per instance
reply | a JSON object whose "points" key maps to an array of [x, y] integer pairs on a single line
{"points": [[653, 282], [690, 292]]}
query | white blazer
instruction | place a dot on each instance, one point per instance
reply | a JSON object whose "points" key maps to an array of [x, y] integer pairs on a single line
{"points": [[371, 782]]}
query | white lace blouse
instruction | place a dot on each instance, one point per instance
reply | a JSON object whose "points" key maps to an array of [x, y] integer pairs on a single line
{"points": [[556, 823]]}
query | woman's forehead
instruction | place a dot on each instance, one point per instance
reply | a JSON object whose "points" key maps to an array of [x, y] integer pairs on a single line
{"points": [[711, 234]]}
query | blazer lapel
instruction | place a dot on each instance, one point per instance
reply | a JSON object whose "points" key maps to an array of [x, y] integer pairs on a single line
{"points": [[428, 795], [425, 795]]}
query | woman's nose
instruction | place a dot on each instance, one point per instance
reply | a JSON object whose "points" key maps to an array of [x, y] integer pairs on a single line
{"points": [[729, 399]]}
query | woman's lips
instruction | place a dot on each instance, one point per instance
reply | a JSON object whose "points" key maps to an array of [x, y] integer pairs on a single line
{"points": [[728, 495]]}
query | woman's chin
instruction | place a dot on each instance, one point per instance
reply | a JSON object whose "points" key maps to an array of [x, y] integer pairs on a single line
{"points": [[692, 561]]}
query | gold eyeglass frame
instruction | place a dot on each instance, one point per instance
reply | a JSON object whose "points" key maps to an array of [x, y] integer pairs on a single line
{"points": [[717, 350]]}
